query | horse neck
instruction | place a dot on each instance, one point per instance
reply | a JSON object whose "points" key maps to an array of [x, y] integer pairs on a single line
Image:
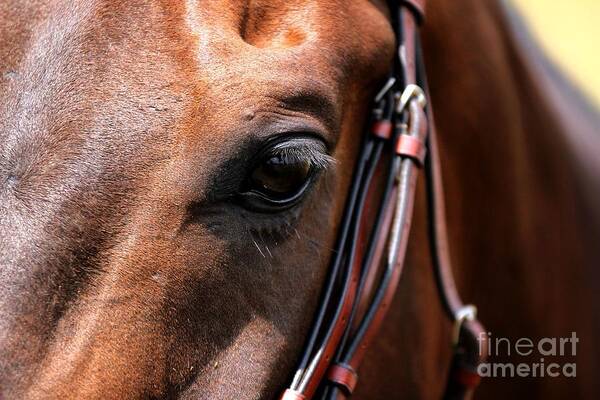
{"points": [[519, 151], [507, 142]]}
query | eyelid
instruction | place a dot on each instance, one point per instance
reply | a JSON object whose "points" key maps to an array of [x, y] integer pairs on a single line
{"points": [[287, 202], [301, 148], [276, 125]]}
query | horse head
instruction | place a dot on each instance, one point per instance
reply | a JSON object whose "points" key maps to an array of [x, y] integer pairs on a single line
{"points": [[172, 176]]}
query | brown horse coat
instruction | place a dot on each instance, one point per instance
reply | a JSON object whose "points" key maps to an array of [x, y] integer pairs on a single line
{"points": [[125, 127]]}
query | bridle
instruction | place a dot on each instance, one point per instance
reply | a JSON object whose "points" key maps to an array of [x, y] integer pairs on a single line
{"points": [[361, 284]]}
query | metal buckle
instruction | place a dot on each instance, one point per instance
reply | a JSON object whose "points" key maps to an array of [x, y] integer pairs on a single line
{"points": [[386, 88], [465, 313], [411, 92], [379, 103]]}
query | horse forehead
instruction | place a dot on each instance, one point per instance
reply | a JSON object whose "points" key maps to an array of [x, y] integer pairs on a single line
{"points": [[320, 32], [117, 76], [263, 50], [137, 67], [196, 43]]}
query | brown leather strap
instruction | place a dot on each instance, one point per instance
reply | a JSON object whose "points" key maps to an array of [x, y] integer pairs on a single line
{"points": [[411, 147], [463, 375], [470, 349], [414, 149], [382, 129], [344, 344], [409, 33], [418, 7], [344, 376], [372, 273], [338, 331]]}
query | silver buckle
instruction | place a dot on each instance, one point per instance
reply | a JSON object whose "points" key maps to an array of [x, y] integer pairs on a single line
{"points": [[411, 92]]}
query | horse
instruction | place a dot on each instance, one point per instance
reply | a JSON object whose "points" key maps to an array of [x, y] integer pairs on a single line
{"points": [[173, 175]]}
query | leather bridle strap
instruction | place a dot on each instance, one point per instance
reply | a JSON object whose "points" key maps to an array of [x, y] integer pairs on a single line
{"points": [[469, 340], [418, 8], [350, 312]]}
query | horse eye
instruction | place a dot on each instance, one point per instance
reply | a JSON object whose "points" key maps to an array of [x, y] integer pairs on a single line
{"points": [[282, 174], [280, 178]]}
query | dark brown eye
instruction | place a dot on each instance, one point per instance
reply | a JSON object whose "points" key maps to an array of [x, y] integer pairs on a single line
{"points": [[280, 177], [281, 174]]}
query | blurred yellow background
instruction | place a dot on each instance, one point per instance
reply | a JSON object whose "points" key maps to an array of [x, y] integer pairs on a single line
{"points": [[569, 31]]}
